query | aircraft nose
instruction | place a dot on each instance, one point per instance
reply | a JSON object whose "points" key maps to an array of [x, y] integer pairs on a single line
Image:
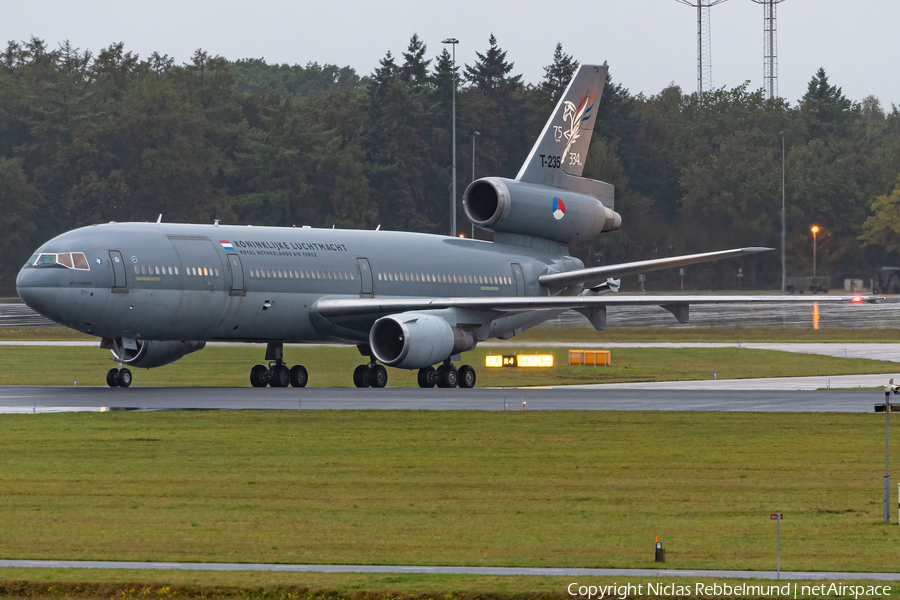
{"points": [[33, 294]]}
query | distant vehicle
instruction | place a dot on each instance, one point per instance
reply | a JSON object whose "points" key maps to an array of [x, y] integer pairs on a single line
{"points": [[155, 292], [816, 285], [886, 281]]}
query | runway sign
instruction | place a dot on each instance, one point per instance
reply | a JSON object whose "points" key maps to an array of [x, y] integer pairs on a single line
{"points": [[518, 360]]}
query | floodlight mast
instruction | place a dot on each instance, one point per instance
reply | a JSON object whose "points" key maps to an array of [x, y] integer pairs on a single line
{"points": [[704, 52], [770, 46]]}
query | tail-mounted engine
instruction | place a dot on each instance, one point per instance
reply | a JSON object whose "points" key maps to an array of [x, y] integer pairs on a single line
{"points": [[542, 211]]}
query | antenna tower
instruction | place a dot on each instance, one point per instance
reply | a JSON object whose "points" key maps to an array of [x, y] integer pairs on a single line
{"points": [[770, 46], [704, 53]]}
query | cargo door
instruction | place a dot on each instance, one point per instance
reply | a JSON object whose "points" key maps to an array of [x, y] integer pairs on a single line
{"points": [[237, 275], [520, 279], [365, 277], [119, 278], [200, 264]]}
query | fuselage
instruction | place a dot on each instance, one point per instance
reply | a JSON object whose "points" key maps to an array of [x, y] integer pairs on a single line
{"points": [[161, 281]]}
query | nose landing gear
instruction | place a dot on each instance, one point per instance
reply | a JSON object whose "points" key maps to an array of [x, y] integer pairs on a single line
{"points": [[277, 374], [118, 377]]}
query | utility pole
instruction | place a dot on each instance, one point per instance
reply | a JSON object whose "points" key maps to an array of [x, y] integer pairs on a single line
{"points": [[474, 135], [453, 42], [704, 51], [783, 260], [887, 408], [770, 47]]}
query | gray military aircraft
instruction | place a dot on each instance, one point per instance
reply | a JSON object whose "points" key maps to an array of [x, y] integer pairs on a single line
{"points": [[155, 292]]}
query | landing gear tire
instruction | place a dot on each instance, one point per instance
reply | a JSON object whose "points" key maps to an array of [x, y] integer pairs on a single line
{"points": [[361, 377], [378, 376], [466, 377], [281, 376], [427, 377], [112, 378], [258, 376], [448, 376], [124, 378], [299, 376]]}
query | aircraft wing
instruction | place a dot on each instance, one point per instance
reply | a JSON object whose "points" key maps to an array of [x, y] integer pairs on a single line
{"points": [[595, 276], [344, 307]]}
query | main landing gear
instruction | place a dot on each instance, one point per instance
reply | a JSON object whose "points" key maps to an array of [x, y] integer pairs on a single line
{"points": [[370, 375], [447, 376], [118, 377], [277, 374]]}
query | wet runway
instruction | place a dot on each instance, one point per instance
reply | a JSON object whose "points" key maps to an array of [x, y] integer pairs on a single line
{"points": [[26, 399], [884, 314]]}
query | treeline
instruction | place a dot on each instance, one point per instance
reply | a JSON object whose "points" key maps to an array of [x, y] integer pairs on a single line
{"points": [[90, 138]]}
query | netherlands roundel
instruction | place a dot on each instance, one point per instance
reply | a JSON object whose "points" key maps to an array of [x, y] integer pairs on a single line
{"points": [[559, 209]]}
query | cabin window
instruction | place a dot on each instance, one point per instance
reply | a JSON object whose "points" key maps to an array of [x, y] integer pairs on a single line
{"points": [[137, 270]]}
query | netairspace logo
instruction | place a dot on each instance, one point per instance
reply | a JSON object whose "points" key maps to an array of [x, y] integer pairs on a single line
{"points": [[788, 590]]}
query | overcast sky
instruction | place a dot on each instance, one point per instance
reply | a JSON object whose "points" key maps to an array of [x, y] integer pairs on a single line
{"points": [[648, 43]]}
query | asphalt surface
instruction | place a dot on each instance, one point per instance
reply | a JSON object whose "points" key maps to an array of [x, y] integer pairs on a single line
{"points": [[49, 399], [79, 564]]}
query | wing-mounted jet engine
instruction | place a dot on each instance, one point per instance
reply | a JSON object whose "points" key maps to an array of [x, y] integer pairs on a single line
{"points": [[549, 199]]}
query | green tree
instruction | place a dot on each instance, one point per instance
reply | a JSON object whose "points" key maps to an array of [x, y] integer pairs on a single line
{"points": [[883, 227], [20, 203], [825, 105], [558, 74], [491, 72], [414, 70]]}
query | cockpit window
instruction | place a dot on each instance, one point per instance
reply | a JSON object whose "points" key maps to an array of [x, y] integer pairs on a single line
{"points": [[69, 260]]}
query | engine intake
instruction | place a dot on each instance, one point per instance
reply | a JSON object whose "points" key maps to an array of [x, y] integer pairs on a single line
{"points": [[565, 216], [416, 340], [149, 354]]}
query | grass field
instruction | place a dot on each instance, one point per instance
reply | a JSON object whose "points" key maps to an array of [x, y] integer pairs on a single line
{"points": [[562, 489], [106, 584], [332, 366]]}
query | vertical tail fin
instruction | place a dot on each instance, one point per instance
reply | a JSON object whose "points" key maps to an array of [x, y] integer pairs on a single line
{"points": [[562, 147]]}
